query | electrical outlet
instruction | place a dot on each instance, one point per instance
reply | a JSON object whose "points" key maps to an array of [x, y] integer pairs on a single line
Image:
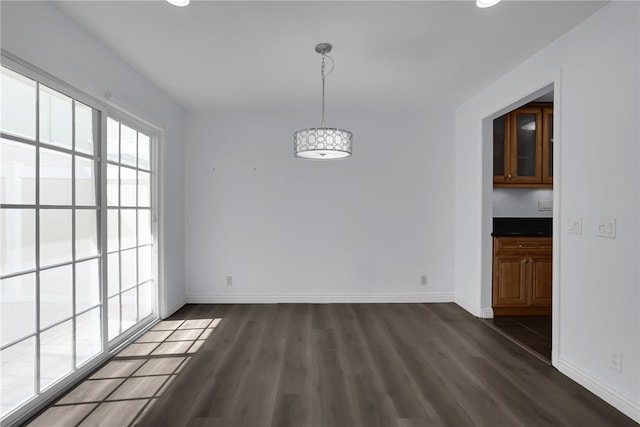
{"points": [[545, 205], [229, 280], [615, 361], [423, 280]]}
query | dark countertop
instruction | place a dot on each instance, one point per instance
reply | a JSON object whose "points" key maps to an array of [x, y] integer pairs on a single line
{"points": [[529, 227]]}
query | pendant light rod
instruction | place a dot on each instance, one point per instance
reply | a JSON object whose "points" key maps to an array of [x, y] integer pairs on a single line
{"points": [[322, 72], [323, 49]]}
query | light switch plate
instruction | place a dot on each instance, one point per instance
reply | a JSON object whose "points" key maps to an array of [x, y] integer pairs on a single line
{"points": [[575, 225], [607, 228]]}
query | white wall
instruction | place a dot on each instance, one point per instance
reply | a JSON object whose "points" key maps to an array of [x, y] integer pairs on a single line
{"points": [[287, 229], [41, 34], [596, 280]]}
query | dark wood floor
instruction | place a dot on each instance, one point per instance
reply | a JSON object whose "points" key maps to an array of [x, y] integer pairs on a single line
{"points": [[534, 332], [331, 365]]}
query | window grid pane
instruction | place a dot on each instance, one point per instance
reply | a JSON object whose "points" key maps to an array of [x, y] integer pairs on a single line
{"points": [[18, 105], [17, 240], [18, 305], [56, 120], [18, 373], [130, 262], [50, 291], [18, 165]]}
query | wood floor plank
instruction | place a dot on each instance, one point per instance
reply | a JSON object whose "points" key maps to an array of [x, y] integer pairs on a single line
{"points": [[333, 365]]}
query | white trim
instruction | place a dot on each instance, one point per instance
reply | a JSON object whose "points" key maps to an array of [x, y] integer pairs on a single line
{"points": [[486, 313], [465, 305], [175, 307], [557, 225], [625, 404], [319, 299], [157, 219]]}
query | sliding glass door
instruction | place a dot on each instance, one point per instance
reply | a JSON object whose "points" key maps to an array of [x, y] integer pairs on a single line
{"points": [[74, 275]]}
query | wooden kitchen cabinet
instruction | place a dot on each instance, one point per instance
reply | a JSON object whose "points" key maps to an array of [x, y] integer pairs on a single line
{"points": [[523, 147], [522, 275]]}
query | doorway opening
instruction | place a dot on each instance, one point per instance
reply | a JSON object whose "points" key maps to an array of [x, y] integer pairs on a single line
{"points": [[522, 210]]}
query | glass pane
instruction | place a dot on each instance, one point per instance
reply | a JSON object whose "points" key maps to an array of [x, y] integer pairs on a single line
{"points": [[55, 117], [128, 267], [498, 146], [144, 150], [55, 177], [144, 226], [86, 121], [129, 309], [113, 313], [56, 353], [145, 301], [18, 166], [88, 336], [128, 142], [17, 364], [144, 264], [112, 185], [144, 189], [87, 284], [526, 135], [17, 240], [113, 272], [55, 236], [113, 137], [127, 187], [18, 105], [128, 228], [86, 233], [56, 295], [18, 303], [85, 182], [112, 230]]}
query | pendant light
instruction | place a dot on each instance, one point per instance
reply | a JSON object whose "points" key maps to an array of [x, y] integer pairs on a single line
{"points": [[322, 143]]}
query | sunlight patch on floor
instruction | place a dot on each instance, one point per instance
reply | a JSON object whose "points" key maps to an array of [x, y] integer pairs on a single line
{"points": [[124, 389]]}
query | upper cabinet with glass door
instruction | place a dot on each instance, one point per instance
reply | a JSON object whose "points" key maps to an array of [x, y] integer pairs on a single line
{"points": [[522, 147]]}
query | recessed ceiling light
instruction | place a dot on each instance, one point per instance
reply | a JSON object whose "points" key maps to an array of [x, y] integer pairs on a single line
{"points": [[182, 3], [486, 3]]}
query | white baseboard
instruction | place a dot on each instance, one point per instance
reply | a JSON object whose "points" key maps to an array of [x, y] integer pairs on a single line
{"points": [[621, 402], [319, 299], [465, 305], [486, 313], [175, 307]]}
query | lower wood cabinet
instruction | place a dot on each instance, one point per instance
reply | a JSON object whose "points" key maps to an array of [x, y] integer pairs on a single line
{"points": [[522, 275]]}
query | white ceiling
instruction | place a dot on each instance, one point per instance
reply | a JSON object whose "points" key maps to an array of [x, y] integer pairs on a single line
{"points": [[388, 54]]}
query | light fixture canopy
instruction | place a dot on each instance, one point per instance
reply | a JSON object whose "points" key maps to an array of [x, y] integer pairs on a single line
{"points": [[486, 3], [179, 3], [322, 143]]}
